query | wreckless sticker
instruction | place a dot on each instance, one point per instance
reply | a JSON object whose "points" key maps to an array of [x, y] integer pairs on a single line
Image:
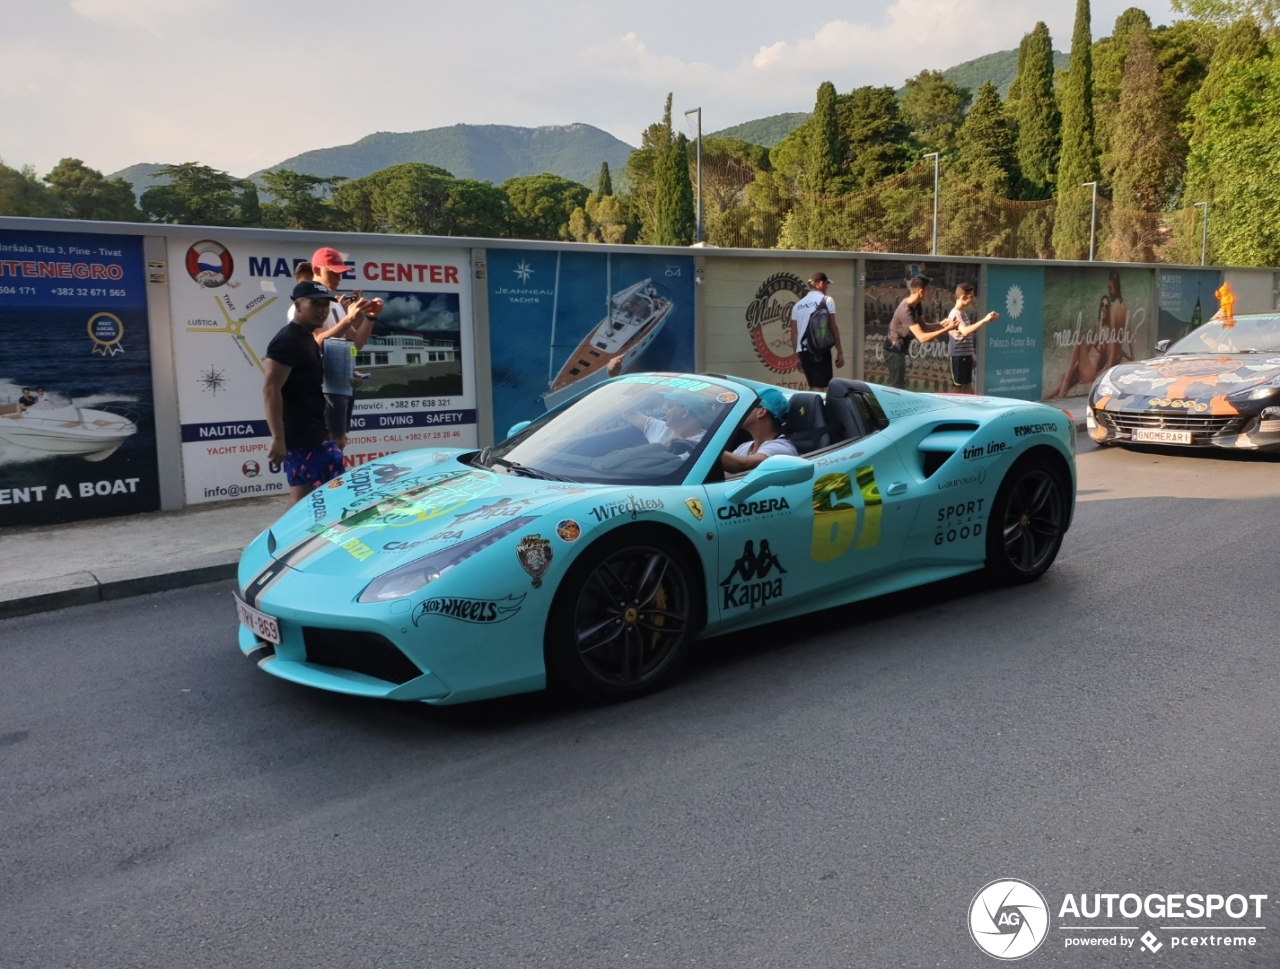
{"points": [[755, 579], [534, 553], [469, 610]]}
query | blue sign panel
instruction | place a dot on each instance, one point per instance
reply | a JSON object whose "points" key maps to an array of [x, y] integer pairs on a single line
{"points": [[557, 319], [1012, 367], [1186, 300], [77, 428]]}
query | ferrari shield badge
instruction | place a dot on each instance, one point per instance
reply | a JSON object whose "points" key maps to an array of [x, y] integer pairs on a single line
{"points": [[695, 507], [534, 553]]}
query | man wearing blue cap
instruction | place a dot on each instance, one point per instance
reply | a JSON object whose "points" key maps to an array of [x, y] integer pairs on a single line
{"points": [[764, 423]]}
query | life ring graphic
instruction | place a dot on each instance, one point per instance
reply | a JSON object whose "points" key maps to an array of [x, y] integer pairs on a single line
{"points": [[209, 263]]}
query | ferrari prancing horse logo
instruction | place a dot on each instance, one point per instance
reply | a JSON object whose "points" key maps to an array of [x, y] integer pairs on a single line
{"points": [[695, 507]]}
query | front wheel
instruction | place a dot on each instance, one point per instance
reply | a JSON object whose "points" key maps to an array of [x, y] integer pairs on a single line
{"points": [[1028, 522], [624, 617]]}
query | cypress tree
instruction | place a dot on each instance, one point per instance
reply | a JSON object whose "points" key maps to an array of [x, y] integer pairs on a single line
{"points": [[605, 182], [1079, 161], [1109, 55], [823, 154], [1034, 111], [986, 160], [1146, 154], [675, 219]]}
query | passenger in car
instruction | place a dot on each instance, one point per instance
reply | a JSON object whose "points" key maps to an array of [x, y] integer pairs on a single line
{"points": [[764, 423], [685, 416]]}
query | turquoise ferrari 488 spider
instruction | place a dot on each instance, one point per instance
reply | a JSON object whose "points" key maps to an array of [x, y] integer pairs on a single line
{"points": [[592, 547]]}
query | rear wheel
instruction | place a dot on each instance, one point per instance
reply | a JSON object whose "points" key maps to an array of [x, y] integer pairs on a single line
{"points": [[1028, 521], [624, 617]]}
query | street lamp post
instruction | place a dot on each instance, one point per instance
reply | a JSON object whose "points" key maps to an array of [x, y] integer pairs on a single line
{"points": [[934, 155], [1093, 217], [1204, 232], [698, 112]]}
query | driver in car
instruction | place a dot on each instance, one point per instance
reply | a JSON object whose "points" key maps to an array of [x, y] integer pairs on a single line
{"points": [[685, 417]]}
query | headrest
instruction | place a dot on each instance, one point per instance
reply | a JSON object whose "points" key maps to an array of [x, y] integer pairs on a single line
{"points": [[805, 412]]}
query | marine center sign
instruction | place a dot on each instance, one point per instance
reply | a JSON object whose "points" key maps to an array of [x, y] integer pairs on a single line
{"points": [[233, 297]]}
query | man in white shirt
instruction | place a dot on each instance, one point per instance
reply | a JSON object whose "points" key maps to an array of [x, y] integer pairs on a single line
{"points": [[685, 416], [815, 363], [764, 423]]}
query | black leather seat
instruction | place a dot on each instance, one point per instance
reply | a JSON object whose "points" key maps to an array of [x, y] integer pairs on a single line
{"points": [[806, 425], [852, 410]]}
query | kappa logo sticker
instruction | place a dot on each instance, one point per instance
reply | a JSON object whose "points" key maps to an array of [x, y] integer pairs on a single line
{"points": [[748, 582], [502, 508], [469, 610], [695, 507]]}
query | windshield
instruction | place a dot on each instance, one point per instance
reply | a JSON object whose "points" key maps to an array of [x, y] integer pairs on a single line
{"points": [[1259, 334], [643, 428]]}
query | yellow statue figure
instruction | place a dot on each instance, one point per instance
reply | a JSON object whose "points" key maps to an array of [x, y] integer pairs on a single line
{"points": [[1227, 304]]}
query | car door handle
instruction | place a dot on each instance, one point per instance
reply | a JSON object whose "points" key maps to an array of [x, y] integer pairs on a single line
{"points": [[896, 488]]}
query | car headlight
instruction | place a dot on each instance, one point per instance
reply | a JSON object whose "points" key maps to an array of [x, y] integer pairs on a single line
{"points": [[1104, 387], [1259, 392], [408, 579]]}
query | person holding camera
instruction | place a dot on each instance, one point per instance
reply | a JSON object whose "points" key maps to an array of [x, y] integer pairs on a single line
{"points": [[814, 333]]}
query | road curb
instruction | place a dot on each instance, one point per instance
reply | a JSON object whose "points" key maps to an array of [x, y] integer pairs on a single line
{"points": [[81, 588]]}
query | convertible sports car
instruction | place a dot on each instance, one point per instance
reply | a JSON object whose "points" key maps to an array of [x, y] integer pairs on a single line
{"points": [[593, 546], [1219, 386]]}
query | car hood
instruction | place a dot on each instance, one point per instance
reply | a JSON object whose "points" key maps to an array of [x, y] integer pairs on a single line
{"points": [[397, 509], [1200, 378]]}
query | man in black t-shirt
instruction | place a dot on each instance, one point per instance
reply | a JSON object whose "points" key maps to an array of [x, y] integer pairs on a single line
{"points": [[294, 398]]}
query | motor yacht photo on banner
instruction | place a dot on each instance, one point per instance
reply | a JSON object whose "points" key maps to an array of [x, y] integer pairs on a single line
{"points": [[557, 318], [1012, 365], [928, 365], [1094, 318], [77, 428], [230, 296], [747, 316]]}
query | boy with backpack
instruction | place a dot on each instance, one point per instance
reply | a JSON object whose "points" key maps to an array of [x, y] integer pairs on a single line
{"points": [[814, 333]]}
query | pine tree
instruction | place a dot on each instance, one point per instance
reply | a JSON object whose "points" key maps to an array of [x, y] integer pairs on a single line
{"points": [[675, 219], [986, 161], [1146, 155], [642, 170], [824, 151], [876, 137], [1079, 161], [605, 182], [1034, 111], [934, 107]]}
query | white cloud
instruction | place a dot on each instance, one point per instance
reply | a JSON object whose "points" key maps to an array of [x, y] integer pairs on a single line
{"points": [[148, 15]]}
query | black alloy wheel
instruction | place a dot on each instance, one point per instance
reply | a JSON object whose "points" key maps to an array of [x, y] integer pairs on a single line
{"points": [[1028, 522], [622, 620]]}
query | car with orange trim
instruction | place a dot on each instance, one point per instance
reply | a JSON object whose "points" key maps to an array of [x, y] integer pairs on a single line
{"points": [[1217, 387]]}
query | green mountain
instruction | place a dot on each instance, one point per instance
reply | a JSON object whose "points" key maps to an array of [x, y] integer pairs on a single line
{"points": [[488, 152], [764, 131], [139, 176], [999, 68]]}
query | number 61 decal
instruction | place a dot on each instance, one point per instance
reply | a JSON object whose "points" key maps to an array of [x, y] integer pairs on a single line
{"points": [[835, 521]]}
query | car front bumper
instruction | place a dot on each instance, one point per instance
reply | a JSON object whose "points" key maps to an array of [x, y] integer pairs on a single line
{"points": [[1236, 431]]}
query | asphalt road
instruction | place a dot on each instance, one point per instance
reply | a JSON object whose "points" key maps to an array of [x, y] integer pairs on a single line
{"points": [[827, 792]]}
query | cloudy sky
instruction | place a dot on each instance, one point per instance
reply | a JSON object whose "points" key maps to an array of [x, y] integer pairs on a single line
{"points": [[242, 84]]}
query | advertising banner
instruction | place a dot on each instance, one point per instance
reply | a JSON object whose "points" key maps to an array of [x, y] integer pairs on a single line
{"points": [[229, 299], [1012, 366], [556, 320], [1186, 300], [77, 428], [1093, 320], [747, 309], [928, 368]]}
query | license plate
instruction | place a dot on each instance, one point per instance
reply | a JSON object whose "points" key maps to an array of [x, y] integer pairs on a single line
{"points": [[259, 623], [1162, 437]]}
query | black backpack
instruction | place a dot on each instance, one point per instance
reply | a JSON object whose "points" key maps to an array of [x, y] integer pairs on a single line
{"points": [[817, 335]]}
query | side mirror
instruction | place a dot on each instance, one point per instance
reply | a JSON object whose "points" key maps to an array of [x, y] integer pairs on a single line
{"points": [[1162, 345], [773, 472], [516, 428]]}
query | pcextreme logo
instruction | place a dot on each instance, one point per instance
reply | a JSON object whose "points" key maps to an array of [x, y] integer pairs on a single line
{"points": [[1008, 919]]}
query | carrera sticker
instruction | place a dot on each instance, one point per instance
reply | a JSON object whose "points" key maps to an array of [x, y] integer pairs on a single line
{"points": [[630, 505], [469, 610], [753, 509], [695, 507], [728, 397], [748, 582], [534, 553], [569, 530]]}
